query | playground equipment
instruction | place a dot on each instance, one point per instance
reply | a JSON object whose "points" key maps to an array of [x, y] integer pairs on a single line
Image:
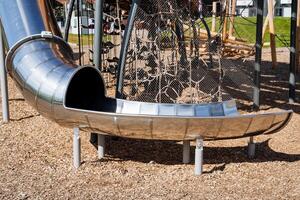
{"points": [[42, 65]]}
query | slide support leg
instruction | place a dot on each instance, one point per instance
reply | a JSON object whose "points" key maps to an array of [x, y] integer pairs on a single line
{"points": [[76, 148], [199, 156], [251, 148], [101, 146], [186, 152]]}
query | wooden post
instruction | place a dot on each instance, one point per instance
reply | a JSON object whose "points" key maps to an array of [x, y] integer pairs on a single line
{"points": [[214, 14], [265, 27], [232, 17], [270, 22], [267, 21], [272, 32], [224, 34]]}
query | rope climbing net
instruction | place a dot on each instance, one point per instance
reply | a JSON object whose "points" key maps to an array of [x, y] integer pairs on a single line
{"points": [[172, 57]]}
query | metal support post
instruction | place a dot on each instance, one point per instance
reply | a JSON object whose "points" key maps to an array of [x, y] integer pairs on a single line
{"points": [[76, 148], [292, 79], [199, 156], [251, 148], [124, 47], [186, 152], [68, 20], [3, 82], [98, 34], [258, 53], [98, 41], [101, 146]]}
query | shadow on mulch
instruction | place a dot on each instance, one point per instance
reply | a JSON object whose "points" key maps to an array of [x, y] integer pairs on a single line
{"points": [[170, 153], [274, 87]]}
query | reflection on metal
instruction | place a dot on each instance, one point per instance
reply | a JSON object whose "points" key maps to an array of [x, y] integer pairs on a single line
{"points": [[51, 82], [176, 121]]}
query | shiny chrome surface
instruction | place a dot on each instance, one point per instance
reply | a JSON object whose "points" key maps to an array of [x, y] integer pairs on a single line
{"points": [[178, 122], [50, 81], [40, 63]]}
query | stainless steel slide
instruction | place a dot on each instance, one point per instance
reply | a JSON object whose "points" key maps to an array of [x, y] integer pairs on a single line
{"points": [[42, 65]]}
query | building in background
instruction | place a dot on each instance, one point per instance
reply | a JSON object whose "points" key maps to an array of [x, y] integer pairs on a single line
{"points": [[283, 8], [86, 17], [246, 8]]}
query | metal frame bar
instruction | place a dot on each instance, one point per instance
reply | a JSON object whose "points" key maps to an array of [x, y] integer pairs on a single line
{"points": [[258, 53], [124, 48], [68, 20], [293, 53], [79, 30], [98, 34], [200, 8], [3, 82]]}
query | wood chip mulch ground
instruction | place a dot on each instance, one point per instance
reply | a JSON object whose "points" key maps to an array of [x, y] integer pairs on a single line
{"points": [[36, 163]]}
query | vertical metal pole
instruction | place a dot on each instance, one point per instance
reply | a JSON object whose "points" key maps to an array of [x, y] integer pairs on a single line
{"points": [[68, 20], [79, 29], [124, 48], [200, 9], [101, 146], [98, 40], [98, 34], [257, 66], [199, 157], [76, 148], [292, 79], [251, 148], [186, 152], [258, 52], [3, 81]]}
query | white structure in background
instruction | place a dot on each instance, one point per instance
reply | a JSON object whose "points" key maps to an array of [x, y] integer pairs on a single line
{"points": [[86, 20], [285, 8], [246, 8]]}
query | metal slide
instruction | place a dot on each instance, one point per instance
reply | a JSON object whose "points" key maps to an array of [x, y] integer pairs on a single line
{"points": [[42, 65]]}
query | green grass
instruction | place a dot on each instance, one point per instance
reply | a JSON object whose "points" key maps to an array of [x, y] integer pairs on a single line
{"points": [[246, 29], [85, 39]]}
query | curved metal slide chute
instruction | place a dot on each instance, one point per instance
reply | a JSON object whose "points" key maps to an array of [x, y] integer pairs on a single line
{"points": [[42, 65]]}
